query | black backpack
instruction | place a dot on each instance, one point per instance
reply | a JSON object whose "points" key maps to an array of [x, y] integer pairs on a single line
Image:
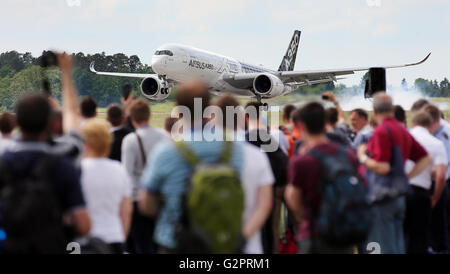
{"points": [[344, 213], [30, 212]]}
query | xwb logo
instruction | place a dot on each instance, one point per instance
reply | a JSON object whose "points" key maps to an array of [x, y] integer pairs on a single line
{"points": [[73, 3], [74, 248], [373, 248], [373, 3]]}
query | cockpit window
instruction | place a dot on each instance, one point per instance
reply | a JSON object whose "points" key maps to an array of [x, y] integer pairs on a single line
{"points": [[164, 52]]}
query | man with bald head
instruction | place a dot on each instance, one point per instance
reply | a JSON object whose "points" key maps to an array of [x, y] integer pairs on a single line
{"points": [[384, 158]]}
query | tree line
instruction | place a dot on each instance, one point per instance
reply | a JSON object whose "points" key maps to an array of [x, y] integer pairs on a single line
{"points": [[21, 73]]}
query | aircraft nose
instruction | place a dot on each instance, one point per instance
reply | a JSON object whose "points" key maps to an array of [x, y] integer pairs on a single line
{"points": [[158, 64]]}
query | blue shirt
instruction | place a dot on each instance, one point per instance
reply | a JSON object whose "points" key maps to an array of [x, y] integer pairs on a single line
{"points": [[442, 135], [168, 174]]}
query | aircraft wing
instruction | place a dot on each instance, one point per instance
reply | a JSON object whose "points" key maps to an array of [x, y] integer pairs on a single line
{"points": [[121, 74], [307, 77]]}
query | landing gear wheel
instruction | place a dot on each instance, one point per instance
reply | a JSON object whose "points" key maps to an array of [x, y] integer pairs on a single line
{"points": [[265, 106]]}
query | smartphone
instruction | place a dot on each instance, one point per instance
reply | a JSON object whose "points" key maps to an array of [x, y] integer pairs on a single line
{"points": [[325, 97], [126, 90]]}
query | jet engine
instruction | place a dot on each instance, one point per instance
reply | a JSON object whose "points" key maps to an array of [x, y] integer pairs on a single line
{"points": [[154, 88], [267, 85]]}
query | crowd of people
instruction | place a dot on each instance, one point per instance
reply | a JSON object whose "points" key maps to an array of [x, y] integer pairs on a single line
{"points": [[362, 183]]}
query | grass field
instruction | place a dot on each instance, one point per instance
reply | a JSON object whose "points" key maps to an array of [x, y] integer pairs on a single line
{"points": [[159, 111]]}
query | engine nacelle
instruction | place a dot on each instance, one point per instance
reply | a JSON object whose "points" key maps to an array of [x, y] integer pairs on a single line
{"points": [[268, 85], [154, 88]]}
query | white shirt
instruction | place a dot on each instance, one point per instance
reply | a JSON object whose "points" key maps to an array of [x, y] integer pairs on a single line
{"points": [[436, 151], [132, 155], [6, 144], [256, 172], [366, 129], [105, 183]]}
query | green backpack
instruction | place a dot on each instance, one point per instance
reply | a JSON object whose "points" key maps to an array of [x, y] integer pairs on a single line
{"points": [[213, 206]]}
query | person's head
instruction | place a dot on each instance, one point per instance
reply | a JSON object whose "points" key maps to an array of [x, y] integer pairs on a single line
{"points": [[88, 107], [139, 113], [287, 112], [97, 138], [253, 114], [382, 106], [7, 123], [228, 100], [169, 122], [435, 115], [188, 94], [358, 118], [331, 116], [33, 115], [399, 114], [418, 105], [310, 119], [115, 115], [422, 119]]}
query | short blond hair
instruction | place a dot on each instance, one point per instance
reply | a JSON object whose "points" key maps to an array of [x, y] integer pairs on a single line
{"points": [[96, 134]]}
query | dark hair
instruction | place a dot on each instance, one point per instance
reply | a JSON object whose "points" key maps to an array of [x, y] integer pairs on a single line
{"points": [[115, 114], [434, 112], [419, 104], [312, 116], [33, 113], [140, 110], [331, 115], [256, 105], [361, 113], [88, 107], [224, 101], [7, 122], [188, 92], [288, 110], [399, 114], [169, 122]]}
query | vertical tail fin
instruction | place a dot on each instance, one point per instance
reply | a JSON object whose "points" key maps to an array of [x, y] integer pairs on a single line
{"points": [[288, 62]]}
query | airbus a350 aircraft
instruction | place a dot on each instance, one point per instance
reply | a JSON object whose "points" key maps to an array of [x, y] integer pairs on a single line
{"points": [[176, 63]]}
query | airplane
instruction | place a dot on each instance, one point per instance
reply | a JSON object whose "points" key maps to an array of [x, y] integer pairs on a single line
{"points": [[175, 63]]}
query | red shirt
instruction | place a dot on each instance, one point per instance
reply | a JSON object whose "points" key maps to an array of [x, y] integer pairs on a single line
{"points": [[305, 173], [380, 148]]}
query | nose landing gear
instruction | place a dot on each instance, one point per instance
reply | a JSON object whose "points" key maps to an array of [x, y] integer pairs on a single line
{"points": [[264, 105]]}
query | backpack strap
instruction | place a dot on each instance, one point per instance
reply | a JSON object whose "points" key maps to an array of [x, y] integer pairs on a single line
{"points": [[192, 159], [141, 148], [389, 135], [188, 155], [227, 151]]}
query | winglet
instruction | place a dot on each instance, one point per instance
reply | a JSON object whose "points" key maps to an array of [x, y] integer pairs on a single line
{"points": [[91, 67], [424, 59], [418, 63], [412, 64]]}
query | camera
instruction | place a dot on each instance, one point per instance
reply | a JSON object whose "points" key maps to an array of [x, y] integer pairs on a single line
{"points": [[48, 59], [325, 97]]}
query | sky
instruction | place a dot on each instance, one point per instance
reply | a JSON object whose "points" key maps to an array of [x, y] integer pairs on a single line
{"points": [[335, 34]]}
